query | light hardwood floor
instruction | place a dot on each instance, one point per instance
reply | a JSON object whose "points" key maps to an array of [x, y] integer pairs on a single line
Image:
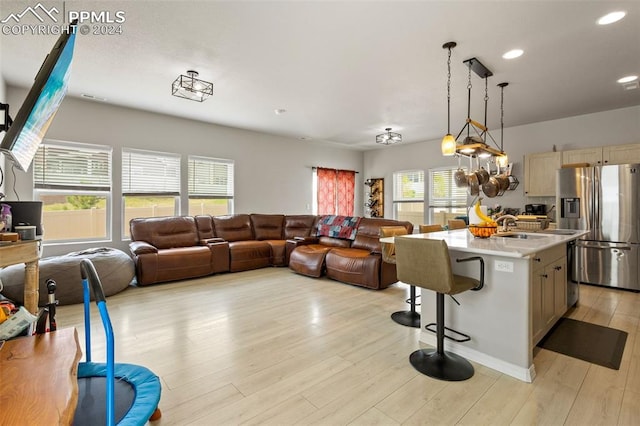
{"points": [[272, 347]]}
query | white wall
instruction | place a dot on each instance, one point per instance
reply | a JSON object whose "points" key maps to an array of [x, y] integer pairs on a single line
{"points": [[272, 174], [615, 127]]}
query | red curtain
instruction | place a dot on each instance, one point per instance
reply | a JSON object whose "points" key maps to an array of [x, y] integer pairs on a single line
{"points": [[345, 197], [326, 190], [336, 191]]}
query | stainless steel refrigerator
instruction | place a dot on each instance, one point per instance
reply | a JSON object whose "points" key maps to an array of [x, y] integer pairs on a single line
{"points": [[606, 201]]}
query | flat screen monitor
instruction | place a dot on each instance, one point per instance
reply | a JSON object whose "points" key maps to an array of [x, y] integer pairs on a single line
{"points": [[26, 213], [34, 117]]}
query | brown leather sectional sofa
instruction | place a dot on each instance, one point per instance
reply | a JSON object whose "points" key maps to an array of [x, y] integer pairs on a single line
{"points": [[180, 247]]}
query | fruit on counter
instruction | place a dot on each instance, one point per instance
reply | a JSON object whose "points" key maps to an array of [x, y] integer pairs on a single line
{"points": [[486, 220]]}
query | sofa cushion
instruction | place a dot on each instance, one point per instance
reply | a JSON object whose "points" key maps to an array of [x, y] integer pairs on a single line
{"points": [[268, 226], [250, 254], [204, 225], [309, 260], [354, 266], [165, 232], [233, 227], [368, 235], [299, 226]]}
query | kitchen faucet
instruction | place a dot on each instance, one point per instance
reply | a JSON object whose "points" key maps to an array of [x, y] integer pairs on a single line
{"points": [[505, 221]]}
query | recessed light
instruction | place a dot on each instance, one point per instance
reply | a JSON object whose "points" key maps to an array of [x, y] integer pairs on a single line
{"points": [[279, 111], [512, 54], [612, 17], [627, 79]]}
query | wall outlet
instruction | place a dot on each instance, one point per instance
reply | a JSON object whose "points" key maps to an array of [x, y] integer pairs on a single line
{"points": [[503, 266]]}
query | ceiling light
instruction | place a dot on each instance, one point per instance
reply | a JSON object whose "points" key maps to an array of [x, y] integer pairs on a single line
{"points": [[512, 54], [612, 17], [189, 87], [388, 138], [627, 79], [279, 111]]}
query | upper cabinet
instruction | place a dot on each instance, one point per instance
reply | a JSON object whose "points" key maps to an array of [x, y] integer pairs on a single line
{"points": [[615, 154], [540, 173], [540, 169], [592, 156], [621, 154]]}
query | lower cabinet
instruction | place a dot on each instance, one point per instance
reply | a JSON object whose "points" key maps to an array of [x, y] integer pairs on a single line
{"points": [[548, 290]]}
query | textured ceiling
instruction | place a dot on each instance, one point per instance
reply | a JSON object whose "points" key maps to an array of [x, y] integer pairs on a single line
{"points": [[345, 70]]}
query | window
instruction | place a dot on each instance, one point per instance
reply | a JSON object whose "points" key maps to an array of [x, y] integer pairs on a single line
{"points": [[210, 186], [73, 181], [150, 185], [446, 200], [408, 196]]}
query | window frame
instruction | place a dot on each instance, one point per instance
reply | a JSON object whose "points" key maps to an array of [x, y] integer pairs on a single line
{"points": [[207, 190], [397, 199], [456, 199], [60, 184]]}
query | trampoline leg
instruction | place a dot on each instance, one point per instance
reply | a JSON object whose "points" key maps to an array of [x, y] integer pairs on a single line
{"points": [[156, 415]]}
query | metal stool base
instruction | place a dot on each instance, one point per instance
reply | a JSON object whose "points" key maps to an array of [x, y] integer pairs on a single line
{"points": [[443, 366], [408, 318]]}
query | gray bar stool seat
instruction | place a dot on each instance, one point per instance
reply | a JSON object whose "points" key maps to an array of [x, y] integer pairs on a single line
{"points": [[426, 264]]}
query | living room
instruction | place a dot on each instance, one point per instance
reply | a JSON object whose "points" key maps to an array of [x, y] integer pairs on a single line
{"points": [[273, 174]]}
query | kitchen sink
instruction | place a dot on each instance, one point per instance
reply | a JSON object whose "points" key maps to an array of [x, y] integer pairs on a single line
{"points": [[518, 235]]}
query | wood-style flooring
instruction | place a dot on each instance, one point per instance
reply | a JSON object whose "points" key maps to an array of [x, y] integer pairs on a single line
{"points": [[269, 347]]}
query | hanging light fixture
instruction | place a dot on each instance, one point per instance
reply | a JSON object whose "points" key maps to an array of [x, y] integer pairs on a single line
{"points": [[502, 160], [448, 144], [189, 87], [388, 138]]}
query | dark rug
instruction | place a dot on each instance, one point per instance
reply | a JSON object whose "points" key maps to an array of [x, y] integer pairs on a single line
{"points": [[588, 342]]}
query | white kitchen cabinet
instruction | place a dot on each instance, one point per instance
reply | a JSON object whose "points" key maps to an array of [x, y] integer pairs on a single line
{"points": [[549, 290], [540, 173]]}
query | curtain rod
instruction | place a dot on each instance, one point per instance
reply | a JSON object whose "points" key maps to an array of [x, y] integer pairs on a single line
{"points": [[331, 168]]}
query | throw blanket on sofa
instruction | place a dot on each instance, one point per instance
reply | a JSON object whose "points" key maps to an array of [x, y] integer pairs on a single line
{"points": [[338, 226]]}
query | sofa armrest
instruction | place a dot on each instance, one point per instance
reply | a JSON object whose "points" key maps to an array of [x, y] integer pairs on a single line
{"points": [[207, 241], [141, 247]]}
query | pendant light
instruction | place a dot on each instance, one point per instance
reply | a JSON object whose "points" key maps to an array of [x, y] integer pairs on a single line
{"points": [[448, 144], [502, 160]]}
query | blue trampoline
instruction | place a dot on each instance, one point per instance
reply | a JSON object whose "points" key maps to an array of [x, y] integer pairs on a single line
{"points": [[110, 393]]}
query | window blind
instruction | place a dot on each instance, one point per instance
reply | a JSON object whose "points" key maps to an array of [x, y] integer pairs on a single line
{"points": [[408, 186], [443, 190], [210, 177], [150, 173], [69, 166]]}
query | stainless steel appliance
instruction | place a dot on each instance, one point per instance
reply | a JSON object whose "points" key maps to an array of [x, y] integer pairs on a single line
{"points": [[606, 201], [536, 209]]}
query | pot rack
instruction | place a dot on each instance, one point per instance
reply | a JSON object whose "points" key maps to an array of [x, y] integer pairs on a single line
{"points": [[476, 146]]}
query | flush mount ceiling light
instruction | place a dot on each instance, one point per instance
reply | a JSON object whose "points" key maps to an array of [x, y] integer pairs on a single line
{"points": [[612, 17], [512, 54], [189, 87], [388, 138]]}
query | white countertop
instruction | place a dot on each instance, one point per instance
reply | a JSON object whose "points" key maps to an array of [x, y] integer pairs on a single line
{"points": [[462, 240]]}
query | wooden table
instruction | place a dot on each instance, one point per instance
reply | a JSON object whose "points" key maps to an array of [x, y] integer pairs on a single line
{"points": [[27, 252], [39, 379]]}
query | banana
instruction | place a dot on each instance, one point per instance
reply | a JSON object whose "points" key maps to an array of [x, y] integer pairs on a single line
{"points": [[486, 219]]}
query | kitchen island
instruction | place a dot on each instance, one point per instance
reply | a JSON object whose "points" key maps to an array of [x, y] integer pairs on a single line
{"points": [[524, 295]]}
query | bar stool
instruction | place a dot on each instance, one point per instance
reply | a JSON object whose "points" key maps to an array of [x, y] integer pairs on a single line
{"points": [[409, 318], [425, 229], [456, 224], [426, 263]]}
